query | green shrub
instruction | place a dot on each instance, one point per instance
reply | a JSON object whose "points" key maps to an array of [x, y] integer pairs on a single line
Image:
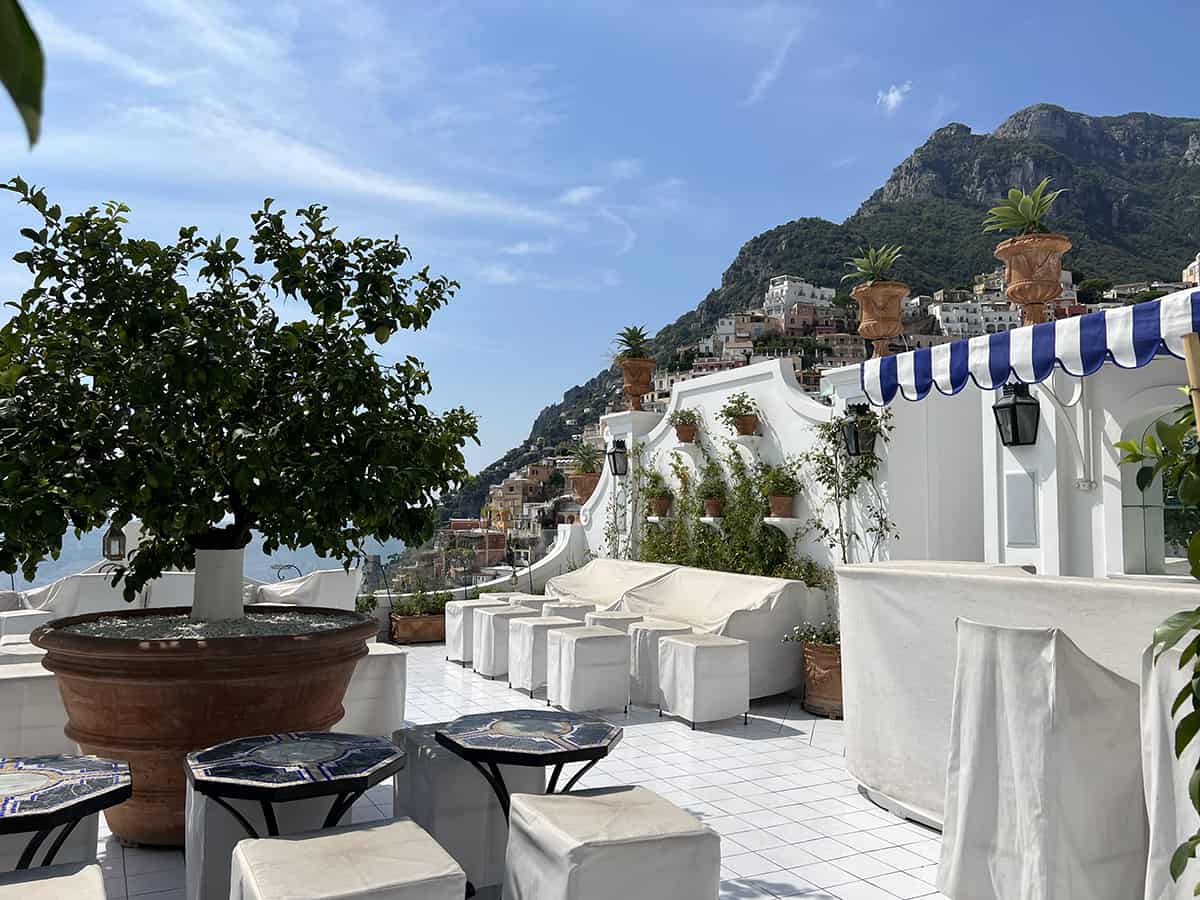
{"points": [[366, 603]]}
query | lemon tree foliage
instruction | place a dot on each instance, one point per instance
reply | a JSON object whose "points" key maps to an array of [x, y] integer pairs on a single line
{"points": [[22, 67], [210, 391]]}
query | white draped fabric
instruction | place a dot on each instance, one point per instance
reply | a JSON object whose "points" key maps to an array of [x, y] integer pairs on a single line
{"points": [[333, 588], [602, 581]]}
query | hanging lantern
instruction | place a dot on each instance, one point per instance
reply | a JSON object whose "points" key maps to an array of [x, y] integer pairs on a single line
{"points": [[114, 544], [859, 431], [618, 459], [1017, 416]]}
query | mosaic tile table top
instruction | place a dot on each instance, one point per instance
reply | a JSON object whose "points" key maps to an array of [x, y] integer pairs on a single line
{"points": [[39, 791], [293, 765], [530, 737]]}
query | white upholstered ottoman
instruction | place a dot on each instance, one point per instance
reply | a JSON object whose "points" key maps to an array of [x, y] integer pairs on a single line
{"points": [[443, 794], [616, 618], [491, 638], [704, 677], [643, 658], [587, 668], [386, 861], [460, 626], [78, 881], [572, 609], [623, 843], [527, 649]]}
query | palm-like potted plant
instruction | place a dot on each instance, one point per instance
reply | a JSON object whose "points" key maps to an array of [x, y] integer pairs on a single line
{"points": [[1033, 259], [821, 644], [687, 423], [780, 485], [740, 414], [158, 381], [658, 493], [419, 618], [711, 490], [586, 460], [880, 300], [637, 366]]}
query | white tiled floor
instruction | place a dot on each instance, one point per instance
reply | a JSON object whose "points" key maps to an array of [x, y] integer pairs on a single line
{"points": [[791, 820]]}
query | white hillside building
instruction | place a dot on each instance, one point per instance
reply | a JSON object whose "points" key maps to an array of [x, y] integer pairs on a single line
{"points": [[785, 291]]}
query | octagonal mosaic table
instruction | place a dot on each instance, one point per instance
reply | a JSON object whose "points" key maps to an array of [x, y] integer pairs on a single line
{"points": [[529, 737], [298, 765], [41, 793]]}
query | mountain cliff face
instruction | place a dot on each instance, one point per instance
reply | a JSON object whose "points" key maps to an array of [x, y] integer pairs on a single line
{"points": [[1132, 210]]}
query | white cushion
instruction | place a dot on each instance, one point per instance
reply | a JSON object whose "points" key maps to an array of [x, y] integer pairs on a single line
{"points": [[68, 882], [587, 668], [609, 844], [389, 861], [572, 609], [490, 656], [612, 619], [527, 649], [704, 677], [460, 626], [643, 658], [444, 794]]}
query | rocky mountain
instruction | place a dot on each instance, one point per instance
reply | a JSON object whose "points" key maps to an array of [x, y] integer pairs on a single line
{"points": [[1132, 210]]}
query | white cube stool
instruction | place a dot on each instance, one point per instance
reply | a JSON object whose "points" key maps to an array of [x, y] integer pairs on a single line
{"points": [[460, 626], [394, 860], [572, 609], [70, 882], [618, 619], [704, 677], [491, 638], [444, 794], [643, 658], [527, 649], [624, 843], [533, 601], [587, 668]]}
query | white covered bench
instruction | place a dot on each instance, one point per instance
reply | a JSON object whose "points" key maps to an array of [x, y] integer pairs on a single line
{"points": [[65, 882], [460, 626]]}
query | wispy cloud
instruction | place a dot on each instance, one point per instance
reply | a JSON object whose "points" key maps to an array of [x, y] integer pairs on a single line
{"points": [[63, 41], [624, 169], [530, 248], [893, 97], [577, 196], [499, 274], [629, 236], [767, 75], [842, 162]]}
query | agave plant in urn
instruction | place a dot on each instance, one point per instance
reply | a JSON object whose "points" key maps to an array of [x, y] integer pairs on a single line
{"points": [[1033, 259], [633, 356], [880, 300]]}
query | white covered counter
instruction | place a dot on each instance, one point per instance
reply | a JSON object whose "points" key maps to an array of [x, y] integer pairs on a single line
{"points": [[899, 646]]}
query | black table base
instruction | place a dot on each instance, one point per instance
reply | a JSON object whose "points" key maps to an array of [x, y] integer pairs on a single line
{"points": [[341, 806], [493, 776], [39, 838]]}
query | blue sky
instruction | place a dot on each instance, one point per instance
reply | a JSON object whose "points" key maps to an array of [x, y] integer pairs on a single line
{"points": [[576, 166]]}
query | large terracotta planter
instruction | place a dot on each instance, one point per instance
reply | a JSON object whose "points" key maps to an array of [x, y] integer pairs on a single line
{"points": [[418, 629], [636, 373], [1033, 272], [880, 306], [150, 702], [685, 434], [823, 679], [713, 507], [583, 484], [781, 505], [660, 506], [745, 425]]}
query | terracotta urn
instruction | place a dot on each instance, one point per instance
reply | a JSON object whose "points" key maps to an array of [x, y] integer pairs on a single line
{"points": [[781, 505], [745, 425], [636, 373], [713, 507], [1033, 272], [880, 305], [151, 702], [418, 629], [685, 434], [583, 484], [660, 506], [823, 679]]}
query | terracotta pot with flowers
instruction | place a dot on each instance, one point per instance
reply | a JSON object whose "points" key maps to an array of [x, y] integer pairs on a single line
{"points": [[1033, 259], [821, 645], [781, 486], [658, 494], [711, 490], [637, 366], [586, 460], [687, 423], [880, 300], [740, 414]]}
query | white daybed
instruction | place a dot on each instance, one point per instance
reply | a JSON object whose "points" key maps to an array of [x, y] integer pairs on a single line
{"points": [[603, 581]]}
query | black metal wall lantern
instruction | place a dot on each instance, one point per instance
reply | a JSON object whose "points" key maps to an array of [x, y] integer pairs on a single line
{"points": [[618, 458], [1017, 416], [859, 430], [114, 544]]}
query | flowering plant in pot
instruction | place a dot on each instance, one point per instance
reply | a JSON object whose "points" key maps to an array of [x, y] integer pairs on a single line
{"points": [[780, 485], [633, 356], [419, 618], [821, 644], [880, 300], [1033, 259], [740, 414], [687, 423], [586, 460], [711, 489], [657, 492], [160, 382]]}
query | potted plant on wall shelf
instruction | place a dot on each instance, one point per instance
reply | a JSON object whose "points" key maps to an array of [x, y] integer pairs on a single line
{"points": [[687, 423], [658, 494], [711, 490], [637, 366], [821, 645], [419, 618], [781, 486], [740, 414], [209, 418], [586, 460], [1033, 259], [880, 300]]}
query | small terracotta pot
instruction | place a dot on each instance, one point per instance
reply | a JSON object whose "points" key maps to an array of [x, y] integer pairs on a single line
{"points": [[745, 425], [823, 679], [713, 507], [781, 506], [418, 629], [636, 373], [660, 506], [584, 484], [686, 434], [1032, 271], [880, 305]]}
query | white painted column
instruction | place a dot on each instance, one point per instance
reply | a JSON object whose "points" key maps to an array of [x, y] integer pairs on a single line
{"points": [[217, 593]]}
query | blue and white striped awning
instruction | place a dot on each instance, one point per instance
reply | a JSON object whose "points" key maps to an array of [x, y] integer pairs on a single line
{"points": [[1130, 336]]}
